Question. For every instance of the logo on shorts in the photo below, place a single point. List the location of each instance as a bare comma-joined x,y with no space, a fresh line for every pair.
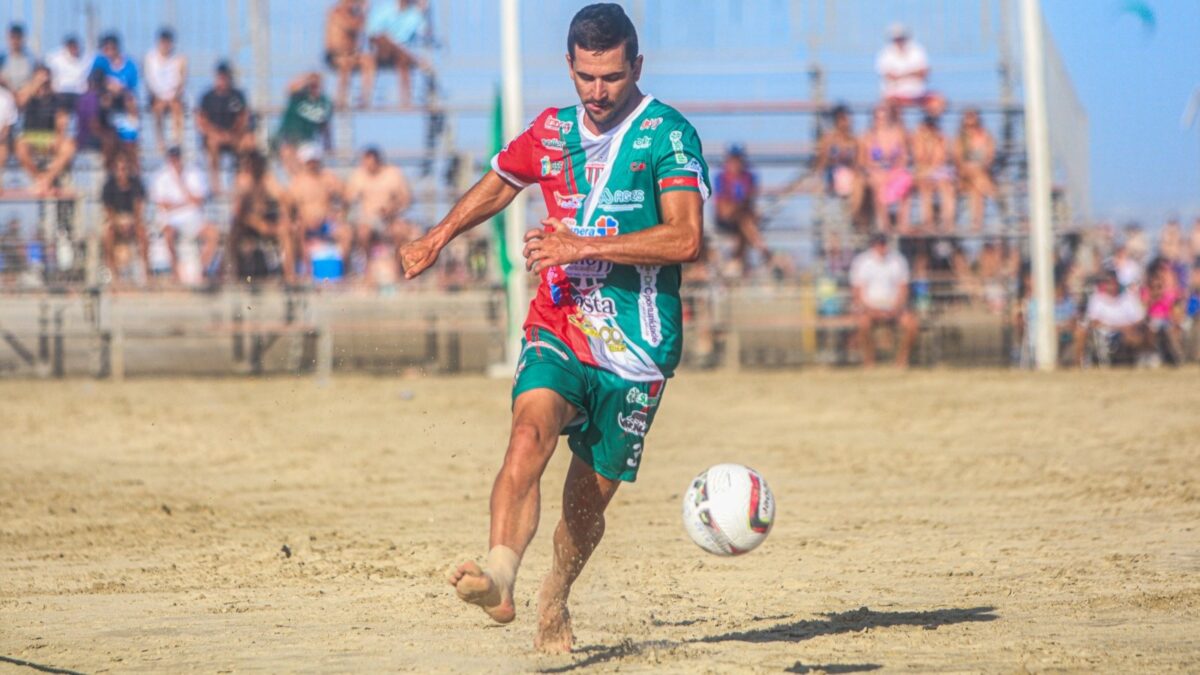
640,398
632,462
636,423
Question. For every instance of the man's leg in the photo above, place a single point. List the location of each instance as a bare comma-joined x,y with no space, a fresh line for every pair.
866,342
539,415
907,326
158,110
177,119
585,496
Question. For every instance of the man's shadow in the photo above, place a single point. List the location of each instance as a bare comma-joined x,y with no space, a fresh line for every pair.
834,623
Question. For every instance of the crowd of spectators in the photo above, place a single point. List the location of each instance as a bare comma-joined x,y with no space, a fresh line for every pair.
298,223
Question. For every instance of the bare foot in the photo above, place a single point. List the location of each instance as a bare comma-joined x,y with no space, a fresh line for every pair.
473,585
554,634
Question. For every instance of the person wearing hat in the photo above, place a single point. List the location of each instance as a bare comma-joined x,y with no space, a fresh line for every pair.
317,195
224,122
879,287
166,74
736,190
903,68
179,193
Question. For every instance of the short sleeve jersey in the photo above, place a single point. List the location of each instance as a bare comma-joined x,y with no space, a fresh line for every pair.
223,110
626,319
305,117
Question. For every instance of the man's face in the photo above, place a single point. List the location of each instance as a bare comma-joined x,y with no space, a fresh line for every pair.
370,163
16,42
842,122
166,46
110,51
604,81
176,162
880,248
73,49
314,85
223,82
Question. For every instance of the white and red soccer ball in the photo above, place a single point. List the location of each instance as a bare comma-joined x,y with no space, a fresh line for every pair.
728,510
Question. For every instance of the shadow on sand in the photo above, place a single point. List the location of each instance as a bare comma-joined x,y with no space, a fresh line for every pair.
834,623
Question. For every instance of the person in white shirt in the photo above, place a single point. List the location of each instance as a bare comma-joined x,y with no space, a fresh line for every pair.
1114,316
69,69
166,74
879,285
903,68
8,121
178,194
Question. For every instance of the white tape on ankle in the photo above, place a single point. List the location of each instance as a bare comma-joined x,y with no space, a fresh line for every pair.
501,565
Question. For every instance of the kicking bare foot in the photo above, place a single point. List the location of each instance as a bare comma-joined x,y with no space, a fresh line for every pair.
475,586
554,634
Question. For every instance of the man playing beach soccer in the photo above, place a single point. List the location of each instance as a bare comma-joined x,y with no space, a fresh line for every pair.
624,182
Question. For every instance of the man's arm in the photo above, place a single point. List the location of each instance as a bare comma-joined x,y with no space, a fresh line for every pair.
485,199
676,240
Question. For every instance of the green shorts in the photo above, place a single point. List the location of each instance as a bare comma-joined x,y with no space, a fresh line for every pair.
615,414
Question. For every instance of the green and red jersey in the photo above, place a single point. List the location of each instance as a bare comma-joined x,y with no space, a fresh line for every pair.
626,319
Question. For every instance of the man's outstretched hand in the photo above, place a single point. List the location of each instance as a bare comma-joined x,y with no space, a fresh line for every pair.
554,245
417,256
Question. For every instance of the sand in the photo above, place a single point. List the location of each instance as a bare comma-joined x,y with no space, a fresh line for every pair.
965,521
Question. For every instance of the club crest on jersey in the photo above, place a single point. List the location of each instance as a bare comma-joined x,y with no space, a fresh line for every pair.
569,202
593,170
641,143
650,124
553,143
555,124
550,168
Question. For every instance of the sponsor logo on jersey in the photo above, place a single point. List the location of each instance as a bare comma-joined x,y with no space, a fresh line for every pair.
648,306
677,145
569,202
641,143
621,200
555,124
650,124
550,168
593,170
604,226
553,143
594,304
636,423
613,339
679,182
637,166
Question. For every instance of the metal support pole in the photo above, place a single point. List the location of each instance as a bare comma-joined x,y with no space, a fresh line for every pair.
514,116
1037,139
37,26
260,40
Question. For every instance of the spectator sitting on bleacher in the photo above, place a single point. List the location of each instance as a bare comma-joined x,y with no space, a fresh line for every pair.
260,217
381,193
9,115
837,160
120,105
933,161
974,153
124,201
16,65
69,70
316,194
903,69
1165,311
736,191
884,155
343,50
1125,264
394,28
1114,318
43,147
224,123
166,76
178,194
879,285
305,120
92,130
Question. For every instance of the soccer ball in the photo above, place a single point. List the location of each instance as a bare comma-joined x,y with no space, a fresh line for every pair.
728,510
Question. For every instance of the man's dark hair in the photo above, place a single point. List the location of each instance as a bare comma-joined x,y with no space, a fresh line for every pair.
601,27
110,39
374,153
166,33
223,68
16,30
